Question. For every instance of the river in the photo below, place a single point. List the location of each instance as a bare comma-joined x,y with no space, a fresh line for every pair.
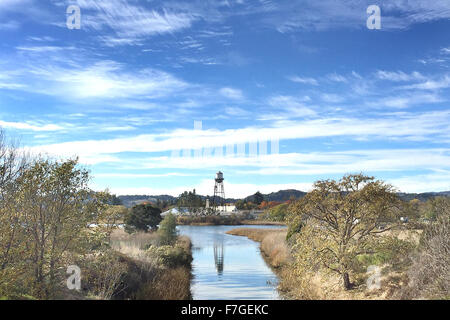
228,267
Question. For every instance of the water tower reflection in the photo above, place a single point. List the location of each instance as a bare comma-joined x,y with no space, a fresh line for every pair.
218,257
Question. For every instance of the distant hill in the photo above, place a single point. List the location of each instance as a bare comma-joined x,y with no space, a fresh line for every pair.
279,196
131,200
422,196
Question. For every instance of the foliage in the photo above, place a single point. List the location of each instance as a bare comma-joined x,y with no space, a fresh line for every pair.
49,215
245,205
113,215
209,220
142,217
436,207
387,250
102,274
169,256
190,200
429,274
277,213
168,230
258,198
342,219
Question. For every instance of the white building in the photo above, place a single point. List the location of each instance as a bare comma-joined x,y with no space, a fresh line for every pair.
228,208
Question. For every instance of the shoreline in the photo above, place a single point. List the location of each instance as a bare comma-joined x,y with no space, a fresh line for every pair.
223,221
273,247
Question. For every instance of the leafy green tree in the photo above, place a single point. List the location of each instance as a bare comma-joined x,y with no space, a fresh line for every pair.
277,213
342,219
115,201
142,217
258,198
55,209
168,230
190,200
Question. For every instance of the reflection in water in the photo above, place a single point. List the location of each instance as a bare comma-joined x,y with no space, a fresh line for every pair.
246,276
218,257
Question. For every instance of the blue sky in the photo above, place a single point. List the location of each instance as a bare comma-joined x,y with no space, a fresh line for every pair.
156,96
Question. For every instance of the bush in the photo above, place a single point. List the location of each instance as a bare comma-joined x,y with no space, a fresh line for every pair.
210,220
169,256
142,217
277,213
429,274
103,275
388,250
168,230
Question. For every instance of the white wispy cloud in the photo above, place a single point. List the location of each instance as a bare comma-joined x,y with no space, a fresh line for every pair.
304,80
336,77
287,107
306,165
130,20
431,126
30,126
443,82
407,100
399,76
290,16
100,79
231,93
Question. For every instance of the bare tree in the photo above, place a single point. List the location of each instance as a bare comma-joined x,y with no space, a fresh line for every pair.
429,274
12,165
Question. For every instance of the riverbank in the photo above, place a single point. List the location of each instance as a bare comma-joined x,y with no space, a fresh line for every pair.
320,285
273,245
152,271
232,220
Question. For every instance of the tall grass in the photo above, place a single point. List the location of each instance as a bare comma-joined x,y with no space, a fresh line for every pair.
273,244
146,278
133,245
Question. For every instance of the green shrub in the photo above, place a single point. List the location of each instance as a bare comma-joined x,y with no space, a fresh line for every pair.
277,213
169,256
210,220
168,230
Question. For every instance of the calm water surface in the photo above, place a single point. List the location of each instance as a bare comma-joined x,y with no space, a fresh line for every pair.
228,267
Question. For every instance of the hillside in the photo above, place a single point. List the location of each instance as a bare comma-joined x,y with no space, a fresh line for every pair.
131,200
279,196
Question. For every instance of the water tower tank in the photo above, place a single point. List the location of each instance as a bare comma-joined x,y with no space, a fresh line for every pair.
219,176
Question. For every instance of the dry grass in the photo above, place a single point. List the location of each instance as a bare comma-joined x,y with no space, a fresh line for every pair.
318,285
273,244
132,245
168,284
145,279
263,223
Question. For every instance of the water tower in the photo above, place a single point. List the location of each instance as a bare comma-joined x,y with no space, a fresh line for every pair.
219,192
